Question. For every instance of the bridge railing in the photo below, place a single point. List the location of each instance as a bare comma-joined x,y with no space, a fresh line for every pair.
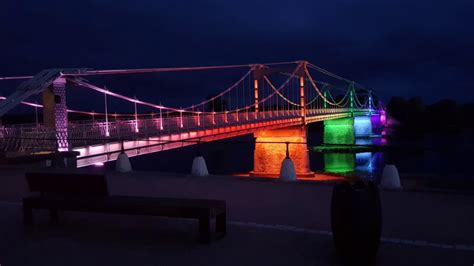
29,139
33,138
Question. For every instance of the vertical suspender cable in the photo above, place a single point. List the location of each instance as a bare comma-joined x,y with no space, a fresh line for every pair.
161,119
36,113
107,133
136,116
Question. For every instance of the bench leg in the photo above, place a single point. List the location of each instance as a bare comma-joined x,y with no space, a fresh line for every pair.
221,224
27,215
54,216
204,229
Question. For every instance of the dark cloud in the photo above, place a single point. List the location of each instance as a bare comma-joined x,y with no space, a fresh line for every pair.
401,47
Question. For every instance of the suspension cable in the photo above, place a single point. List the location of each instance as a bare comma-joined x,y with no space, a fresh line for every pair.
277,92
317,90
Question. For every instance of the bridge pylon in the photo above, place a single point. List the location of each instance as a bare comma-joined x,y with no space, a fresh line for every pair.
258,73
302,100
55,112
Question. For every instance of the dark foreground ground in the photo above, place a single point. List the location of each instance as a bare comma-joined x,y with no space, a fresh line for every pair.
270,223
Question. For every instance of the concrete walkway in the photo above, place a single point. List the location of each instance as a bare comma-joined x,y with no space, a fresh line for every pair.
271,223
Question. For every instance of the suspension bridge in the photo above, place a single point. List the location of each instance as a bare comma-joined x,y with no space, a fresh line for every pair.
272,101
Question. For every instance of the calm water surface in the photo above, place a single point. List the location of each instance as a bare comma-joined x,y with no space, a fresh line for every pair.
440,155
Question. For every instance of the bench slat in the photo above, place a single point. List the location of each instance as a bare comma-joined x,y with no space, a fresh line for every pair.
173,207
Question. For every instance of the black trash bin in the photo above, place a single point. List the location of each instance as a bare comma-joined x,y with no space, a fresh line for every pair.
356,221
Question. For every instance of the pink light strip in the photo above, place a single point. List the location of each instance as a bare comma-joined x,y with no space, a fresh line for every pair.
75,111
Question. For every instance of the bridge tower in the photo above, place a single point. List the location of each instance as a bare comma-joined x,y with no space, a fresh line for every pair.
302,100
55,112
351,99
325,104
257,77
270,146
370,101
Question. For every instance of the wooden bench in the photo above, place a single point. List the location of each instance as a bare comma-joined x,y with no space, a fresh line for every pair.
89,193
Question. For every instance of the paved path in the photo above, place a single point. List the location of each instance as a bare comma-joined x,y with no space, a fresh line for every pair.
272,223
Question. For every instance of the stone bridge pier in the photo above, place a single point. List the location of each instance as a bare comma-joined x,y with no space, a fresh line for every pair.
378,122
344,131
339,131
270,150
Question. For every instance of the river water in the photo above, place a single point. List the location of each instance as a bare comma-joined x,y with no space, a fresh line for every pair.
416,155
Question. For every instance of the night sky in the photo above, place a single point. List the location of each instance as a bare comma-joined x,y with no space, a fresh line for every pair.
397,48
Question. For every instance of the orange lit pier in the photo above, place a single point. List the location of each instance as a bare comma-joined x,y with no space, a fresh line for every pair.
270,150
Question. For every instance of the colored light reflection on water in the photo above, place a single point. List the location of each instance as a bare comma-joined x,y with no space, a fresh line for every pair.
339,162
369,161
365,162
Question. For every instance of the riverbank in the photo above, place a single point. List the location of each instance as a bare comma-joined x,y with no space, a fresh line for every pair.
270,223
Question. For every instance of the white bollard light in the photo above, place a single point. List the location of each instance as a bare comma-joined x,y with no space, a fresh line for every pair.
123,165
390,178
199,167
287,170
